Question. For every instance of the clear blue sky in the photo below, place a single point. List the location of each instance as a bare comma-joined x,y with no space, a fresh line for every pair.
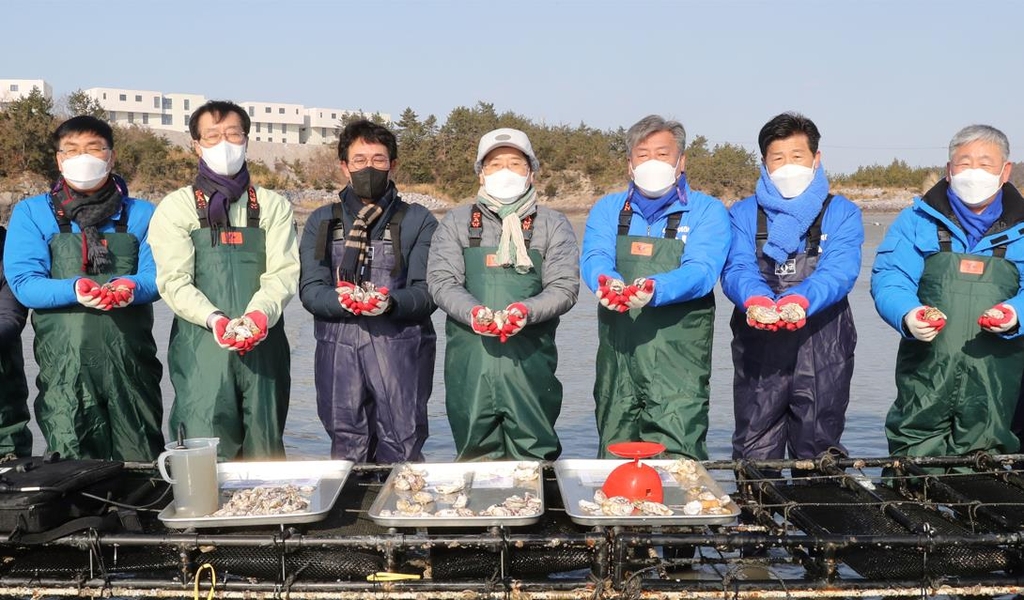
881,78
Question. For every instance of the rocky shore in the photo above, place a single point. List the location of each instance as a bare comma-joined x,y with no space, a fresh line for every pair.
304,201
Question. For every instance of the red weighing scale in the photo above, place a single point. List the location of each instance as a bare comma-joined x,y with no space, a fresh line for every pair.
634,480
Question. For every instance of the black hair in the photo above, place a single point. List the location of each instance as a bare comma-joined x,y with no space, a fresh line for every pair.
218,109
83,124
369,132
785,126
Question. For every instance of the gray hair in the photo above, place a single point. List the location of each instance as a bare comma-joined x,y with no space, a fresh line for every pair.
984,133
652,124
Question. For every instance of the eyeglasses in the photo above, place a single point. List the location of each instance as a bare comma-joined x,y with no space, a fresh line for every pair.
97,151
212,138
379,161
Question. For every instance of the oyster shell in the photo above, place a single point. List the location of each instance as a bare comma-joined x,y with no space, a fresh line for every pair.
762,314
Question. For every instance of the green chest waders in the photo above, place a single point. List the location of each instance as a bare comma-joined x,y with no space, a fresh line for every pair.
15,436
957,394
654,363
99,378
502,399
243,400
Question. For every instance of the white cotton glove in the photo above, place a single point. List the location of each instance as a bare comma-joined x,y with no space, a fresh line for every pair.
88,293
924,322
217,323
998,319
640,293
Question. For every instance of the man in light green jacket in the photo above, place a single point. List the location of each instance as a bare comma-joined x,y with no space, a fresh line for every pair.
227,264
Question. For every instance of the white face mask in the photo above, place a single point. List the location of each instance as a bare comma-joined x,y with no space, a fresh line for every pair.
85,172
506,185
224,158
975,186
654,177
792,180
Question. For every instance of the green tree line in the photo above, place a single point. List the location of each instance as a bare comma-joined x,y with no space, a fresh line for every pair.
574,159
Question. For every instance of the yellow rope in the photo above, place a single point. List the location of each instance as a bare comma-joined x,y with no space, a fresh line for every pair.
213,581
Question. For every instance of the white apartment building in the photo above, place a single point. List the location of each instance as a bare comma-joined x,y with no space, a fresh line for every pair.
146,108
275,122
16,89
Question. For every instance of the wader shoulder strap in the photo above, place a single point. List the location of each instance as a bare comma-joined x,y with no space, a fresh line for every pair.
329,227
626,216
813,232
945,236
476,227
203,209
672,225
394,233
252,210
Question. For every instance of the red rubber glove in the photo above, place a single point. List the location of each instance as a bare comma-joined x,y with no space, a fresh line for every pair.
764,302
792,311
483,322
346,297
610,293
998,319
515,320
639,293
376,303
259,326
88,293
119,293
938,322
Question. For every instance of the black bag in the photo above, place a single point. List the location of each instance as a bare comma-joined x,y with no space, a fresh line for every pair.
38,494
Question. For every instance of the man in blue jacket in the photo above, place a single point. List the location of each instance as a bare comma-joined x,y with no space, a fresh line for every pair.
795,255
948,278
364,267
652,254
78,256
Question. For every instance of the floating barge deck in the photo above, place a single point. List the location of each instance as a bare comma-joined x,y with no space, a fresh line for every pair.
834,527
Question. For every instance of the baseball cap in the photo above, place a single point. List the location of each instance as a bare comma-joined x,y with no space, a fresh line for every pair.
506,136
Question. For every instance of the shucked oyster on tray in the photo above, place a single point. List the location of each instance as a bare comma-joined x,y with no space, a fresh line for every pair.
457,494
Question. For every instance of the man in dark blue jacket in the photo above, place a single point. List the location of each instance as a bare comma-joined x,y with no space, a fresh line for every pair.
15,437
795,255
364,264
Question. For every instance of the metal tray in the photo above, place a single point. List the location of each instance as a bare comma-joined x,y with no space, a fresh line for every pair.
486,483
326,476
579,479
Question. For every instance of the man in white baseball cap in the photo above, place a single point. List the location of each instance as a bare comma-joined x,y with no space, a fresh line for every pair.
504,269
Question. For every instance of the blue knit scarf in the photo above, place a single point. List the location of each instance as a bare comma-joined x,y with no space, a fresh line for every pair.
789,218
975,225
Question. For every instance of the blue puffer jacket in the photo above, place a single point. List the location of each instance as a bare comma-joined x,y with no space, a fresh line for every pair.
842,235
704,228
914,236
27,253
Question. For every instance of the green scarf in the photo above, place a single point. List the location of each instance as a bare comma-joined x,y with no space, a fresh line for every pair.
512,246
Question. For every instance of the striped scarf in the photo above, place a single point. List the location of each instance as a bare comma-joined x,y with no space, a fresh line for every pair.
511,246
358,237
